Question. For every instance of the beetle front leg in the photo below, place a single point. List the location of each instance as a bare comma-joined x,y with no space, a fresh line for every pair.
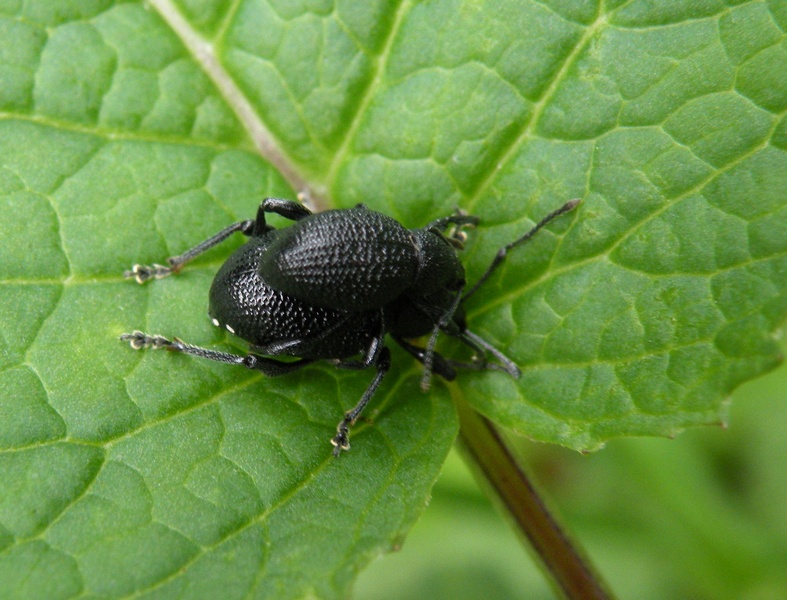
269,366
341,441
143,273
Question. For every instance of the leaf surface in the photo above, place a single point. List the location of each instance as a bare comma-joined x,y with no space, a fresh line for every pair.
130,132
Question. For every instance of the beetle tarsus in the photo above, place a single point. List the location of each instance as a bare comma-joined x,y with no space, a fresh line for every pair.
143,273
141,341
341,441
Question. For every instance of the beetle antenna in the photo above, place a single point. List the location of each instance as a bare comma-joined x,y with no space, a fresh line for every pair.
501,254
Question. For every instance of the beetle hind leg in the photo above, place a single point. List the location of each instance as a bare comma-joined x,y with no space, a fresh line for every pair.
143,273
269,366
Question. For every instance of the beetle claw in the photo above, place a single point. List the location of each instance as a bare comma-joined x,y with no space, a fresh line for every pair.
140,341
143,273
340,441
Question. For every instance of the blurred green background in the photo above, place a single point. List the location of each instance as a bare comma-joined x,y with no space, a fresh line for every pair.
703,516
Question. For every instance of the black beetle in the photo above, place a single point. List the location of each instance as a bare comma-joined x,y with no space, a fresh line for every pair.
332,285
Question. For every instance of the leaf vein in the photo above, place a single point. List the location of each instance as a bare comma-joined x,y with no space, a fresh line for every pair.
367,95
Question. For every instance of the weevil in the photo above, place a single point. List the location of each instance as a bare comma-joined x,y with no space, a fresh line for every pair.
333,286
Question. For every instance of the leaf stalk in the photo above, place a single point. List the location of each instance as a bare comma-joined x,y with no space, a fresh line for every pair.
491,459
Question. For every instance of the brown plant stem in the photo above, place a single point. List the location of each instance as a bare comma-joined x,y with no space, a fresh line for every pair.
568,569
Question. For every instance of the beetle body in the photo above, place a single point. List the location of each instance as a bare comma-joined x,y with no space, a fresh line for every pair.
326,286
333,286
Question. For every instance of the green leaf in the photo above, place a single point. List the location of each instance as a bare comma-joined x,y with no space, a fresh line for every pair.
130,132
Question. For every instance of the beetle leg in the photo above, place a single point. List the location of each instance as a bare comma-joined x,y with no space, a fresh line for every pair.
143,273
294,211
341,440
369,356
440,365
286,208
429,353
269,366
457,235
501,254
446,367
481,346
461,219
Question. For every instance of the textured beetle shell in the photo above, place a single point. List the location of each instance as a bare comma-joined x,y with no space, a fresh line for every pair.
354,259
274,322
